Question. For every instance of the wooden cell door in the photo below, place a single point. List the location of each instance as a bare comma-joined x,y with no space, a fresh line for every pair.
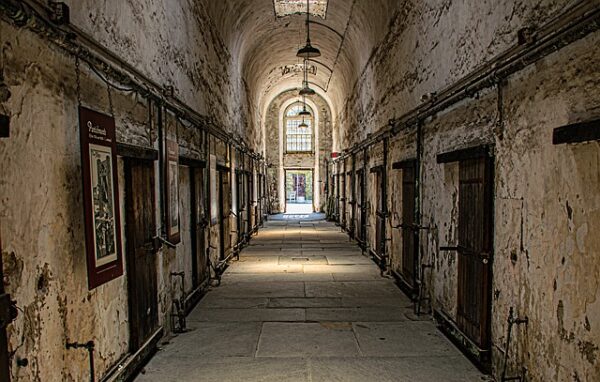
475,249
199,223
343,198
4,321
379,213
361,207
250,202
224,212
352,183
241,206
141,251
409,231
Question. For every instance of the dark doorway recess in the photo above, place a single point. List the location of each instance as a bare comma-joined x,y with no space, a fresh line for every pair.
378,174
224,212
5,318
475,245
361,206
200,269
409,228
141,251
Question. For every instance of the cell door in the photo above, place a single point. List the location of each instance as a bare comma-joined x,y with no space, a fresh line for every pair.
379,213
141,252
352,218
409,232
474,249
241,206
361,206
5,307
199,224
250,202
343,198
224,211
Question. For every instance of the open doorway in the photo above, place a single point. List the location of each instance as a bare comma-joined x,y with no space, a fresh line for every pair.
299,191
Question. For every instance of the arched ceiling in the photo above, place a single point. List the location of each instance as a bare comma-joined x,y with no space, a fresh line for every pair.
262,44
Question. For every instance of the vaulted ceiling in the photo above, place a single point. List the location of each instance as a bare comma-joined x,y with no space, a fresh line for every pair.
263,44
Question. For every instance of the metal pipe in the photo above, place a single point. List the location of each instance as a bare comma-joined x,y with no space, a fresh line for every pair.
89,346
26,14
512,320
572,25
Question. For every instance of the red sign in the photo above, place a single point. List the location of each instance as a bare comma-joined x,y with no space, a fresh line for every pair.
100,197
335,155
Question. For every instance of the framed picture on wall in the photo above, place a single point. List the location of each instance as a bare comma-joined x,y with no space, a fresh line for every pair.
100,197
172,191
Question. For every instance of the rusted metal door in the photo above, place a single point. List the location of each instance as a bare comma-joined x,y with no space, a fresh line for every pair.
474,249
141,251
409,230
199,224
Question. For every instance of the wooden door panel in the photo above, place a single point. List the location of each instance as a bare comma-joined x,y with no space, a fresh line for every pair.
5,306
409,233
199,223
379,215
141,256
474,248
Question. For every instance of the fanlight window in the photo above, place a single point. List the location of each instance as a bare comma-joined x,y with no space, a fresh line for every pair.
298,139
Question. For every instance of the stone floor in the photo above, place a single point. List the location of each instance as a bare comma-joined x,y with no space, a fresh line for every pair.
303,304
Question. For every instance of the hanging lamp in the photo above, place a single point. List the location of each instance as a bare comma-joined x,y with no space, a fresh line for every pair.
308,51
306,90
304,112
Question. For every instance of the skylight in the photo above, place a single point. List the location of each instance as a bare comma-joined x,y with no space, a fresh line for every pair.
293,7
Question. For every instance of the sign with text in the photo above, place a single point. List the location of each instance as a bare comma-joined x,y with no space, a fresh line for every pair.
100,197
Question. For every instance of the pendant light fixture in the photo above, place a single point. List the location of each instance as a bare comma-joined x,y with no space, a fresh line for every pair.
304,112
308,51
306,90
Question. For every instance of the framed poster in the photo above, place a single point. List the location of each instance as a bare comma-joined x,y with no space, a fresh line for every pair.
214,208
172,191
100,197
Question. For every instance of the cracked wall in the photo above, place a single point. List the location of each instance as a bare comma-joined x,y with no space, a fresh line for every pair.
41,190
546,209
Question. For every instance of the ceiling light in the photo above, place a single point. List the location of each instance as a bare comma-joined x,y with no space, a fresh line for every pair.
303,125
308,51
306,91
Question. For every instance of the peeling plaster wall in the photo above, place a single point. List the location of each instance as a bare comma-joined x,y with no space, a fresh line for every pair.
42,216
428,45
41,206
175,43
546,197
547,206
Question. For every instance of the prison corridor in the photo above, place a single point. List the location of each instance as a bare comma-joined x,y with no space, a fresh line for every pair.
304,304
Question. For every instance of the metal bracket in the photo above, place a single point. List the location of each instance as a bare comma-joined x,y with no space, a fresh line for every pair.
164,241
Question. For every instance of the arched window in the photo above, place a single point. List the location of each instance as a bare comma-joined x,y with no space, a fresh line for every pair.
298,139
